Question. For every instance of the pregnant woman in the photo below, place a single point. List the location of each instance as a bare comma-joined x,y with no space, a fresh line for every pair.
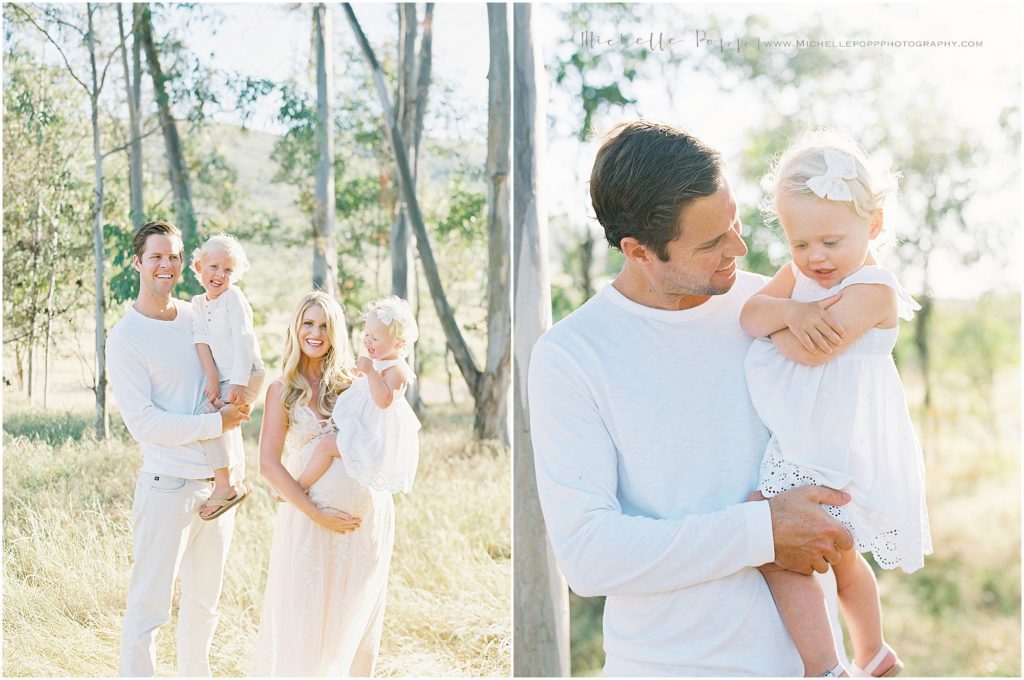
323,609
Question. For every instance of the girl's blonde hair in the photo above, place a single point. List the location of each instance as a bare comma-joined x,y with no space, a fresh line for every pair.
396,315
228,245
337,362
806,159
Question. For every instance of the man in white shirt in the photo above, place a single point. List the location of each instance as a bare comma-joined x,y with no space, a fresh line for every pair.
646,443
157,382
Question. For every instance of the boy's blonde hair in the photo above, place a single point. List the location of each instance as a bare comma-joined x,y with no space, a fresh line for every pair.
806,159
228,245
396,315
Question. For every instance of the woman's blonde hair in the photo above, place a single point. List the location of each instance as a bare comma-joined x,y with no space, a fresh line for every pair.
337,362
806,159
228,245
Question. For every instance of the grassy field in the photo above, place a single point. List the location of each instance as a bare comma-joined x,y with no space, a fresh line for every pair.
960,614
67,546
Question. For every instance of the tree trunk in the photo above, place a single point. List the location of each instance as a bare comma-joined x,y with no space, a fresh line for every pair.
325,250
177,168
402,279
51,291
405,111
541,634
137,209
423,80
491,413
922,328
33,306
97,235
460,350
46,340
586,253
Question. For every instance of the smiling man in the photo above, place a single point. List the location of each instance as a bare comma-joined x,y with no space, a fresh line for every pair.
645,440
157,382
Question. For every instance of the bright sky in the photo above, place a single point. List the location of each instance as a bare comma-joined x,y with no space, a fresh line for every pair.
273,41
974,85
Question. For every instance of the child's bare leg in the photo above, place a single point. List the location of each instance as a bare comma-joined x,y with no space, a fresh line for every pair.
222,488
801,604
858,596
222,485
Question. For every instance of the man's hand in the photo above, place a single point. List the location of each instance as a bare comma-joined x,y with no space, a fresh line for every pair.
232,416
813,326
807,538
235,394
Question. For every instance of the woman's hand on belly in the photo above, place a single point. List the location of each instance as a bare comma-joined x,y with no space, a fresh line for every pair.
337,520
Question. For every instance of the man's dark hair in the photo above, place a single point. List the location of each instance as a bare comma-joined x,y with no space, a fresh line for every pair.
644,176
154,227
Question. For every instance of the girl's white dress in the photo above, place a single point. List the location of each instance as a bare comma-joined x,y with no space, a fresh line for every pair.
380,447
845,424
323,610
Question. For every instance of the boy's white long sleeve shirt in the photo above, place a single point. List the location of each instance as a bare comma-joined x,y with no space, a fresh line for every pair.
157,382
646,445
226,325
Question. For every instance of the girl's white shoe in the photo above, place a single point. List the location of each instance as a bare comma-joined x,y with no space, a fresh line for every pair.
869,670
838,672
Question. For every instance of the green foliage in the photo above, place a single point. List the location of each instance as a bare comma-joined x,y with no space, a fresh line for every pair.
47,202
54,429
586,638
595,77
124,280
463,211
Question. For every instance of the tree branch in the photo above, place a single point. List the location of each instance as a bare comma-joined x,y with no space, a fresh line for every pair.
53,42
460,349
129,142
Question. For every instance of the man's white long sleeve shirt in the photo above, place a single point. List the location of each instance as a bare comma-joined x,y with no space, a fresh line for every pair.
646,445
157,382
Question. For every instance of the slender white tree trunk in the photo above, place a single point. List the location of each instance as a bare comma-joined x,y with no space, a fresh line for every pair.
492,417
325,250
134,125
97,238
541,634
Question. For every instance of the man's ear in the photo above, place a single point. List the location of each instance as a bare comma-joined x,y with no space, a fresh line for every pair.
635,251
136,263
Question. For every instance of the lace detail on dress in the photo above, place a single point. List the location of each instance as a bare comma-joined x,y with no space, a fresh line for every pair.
778,475
303,428
368,476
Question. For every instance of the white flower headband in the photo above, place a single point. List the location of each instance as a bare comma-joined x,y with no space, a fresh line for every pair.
839,167
394,309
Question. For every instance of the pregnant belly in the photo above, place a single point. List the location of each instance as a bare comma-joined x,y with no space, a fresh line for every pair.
339,491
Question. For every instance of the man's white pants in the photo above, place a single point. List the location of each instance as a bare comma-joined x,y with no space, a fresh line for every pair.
169,536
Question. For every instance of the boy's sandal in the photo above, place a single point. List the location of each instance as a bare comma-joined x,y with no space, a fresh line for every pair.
869,670
224,504
838,672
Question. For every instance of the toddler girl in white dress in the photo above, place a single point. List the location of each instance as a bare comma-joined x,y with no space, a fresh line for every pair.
222,331
826,386
378,440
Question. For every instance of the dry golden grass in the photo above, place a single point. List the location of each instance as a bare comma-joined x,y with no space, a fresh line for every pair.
67,546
